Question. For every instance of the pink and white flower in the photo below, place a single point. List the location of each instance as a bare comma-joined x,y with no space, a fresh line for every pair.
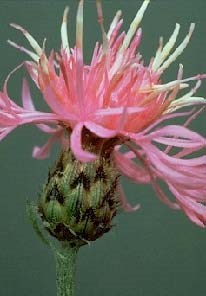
118,96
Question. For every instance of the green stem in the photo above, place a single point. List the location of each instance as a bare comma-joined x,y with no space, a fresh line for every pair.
65,270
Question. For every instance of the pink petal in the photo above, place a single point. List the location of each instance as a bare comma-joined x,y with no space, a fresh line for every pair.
57,106
5,102
167,117
175,142
130,169
124,203
7,119
44,151
190,162
76,144
177,131
38,117
26,96
47,129
8,77
194,218
163,197
153,178
32,70
99,130
5,131
118,110
168,173
194,210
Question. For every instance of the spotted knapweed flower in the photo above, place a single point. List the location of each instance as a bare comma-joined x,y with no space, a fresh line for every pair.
96,109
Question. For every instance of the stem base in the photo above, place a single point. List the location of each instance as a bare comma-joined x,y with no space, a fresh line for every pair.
65,270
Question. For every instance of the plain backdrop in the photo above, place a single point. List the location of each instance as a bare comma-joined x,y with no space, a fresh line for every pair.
152,252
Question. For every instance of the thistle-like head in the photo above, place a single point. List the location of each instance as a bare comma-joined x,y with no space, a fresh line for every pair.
116,100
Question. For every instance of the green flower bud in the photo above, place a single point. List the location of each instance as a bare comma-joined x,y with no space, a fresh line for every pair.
79,200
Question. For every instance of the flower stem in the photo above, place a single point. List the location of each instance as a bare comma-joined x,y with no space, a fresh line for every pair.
65,270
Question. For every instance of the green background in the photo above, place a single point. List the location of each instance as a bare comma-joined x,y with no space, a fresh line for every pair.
152,252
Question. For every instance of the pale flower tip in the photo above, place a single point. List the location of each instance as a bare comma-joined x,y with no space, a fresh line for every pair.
17,27
64,35
139,31
79,24
12,43
192,27
99,11
44,44
31,40
34,56
40,152
80,6
119,13
145,4
180,72
101,21
128,208
201,76
65,14
134,208
177,51
44,64
134,25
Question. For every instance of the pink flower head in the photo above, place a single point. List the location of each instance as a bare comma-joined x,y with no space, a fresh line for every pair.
118,97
